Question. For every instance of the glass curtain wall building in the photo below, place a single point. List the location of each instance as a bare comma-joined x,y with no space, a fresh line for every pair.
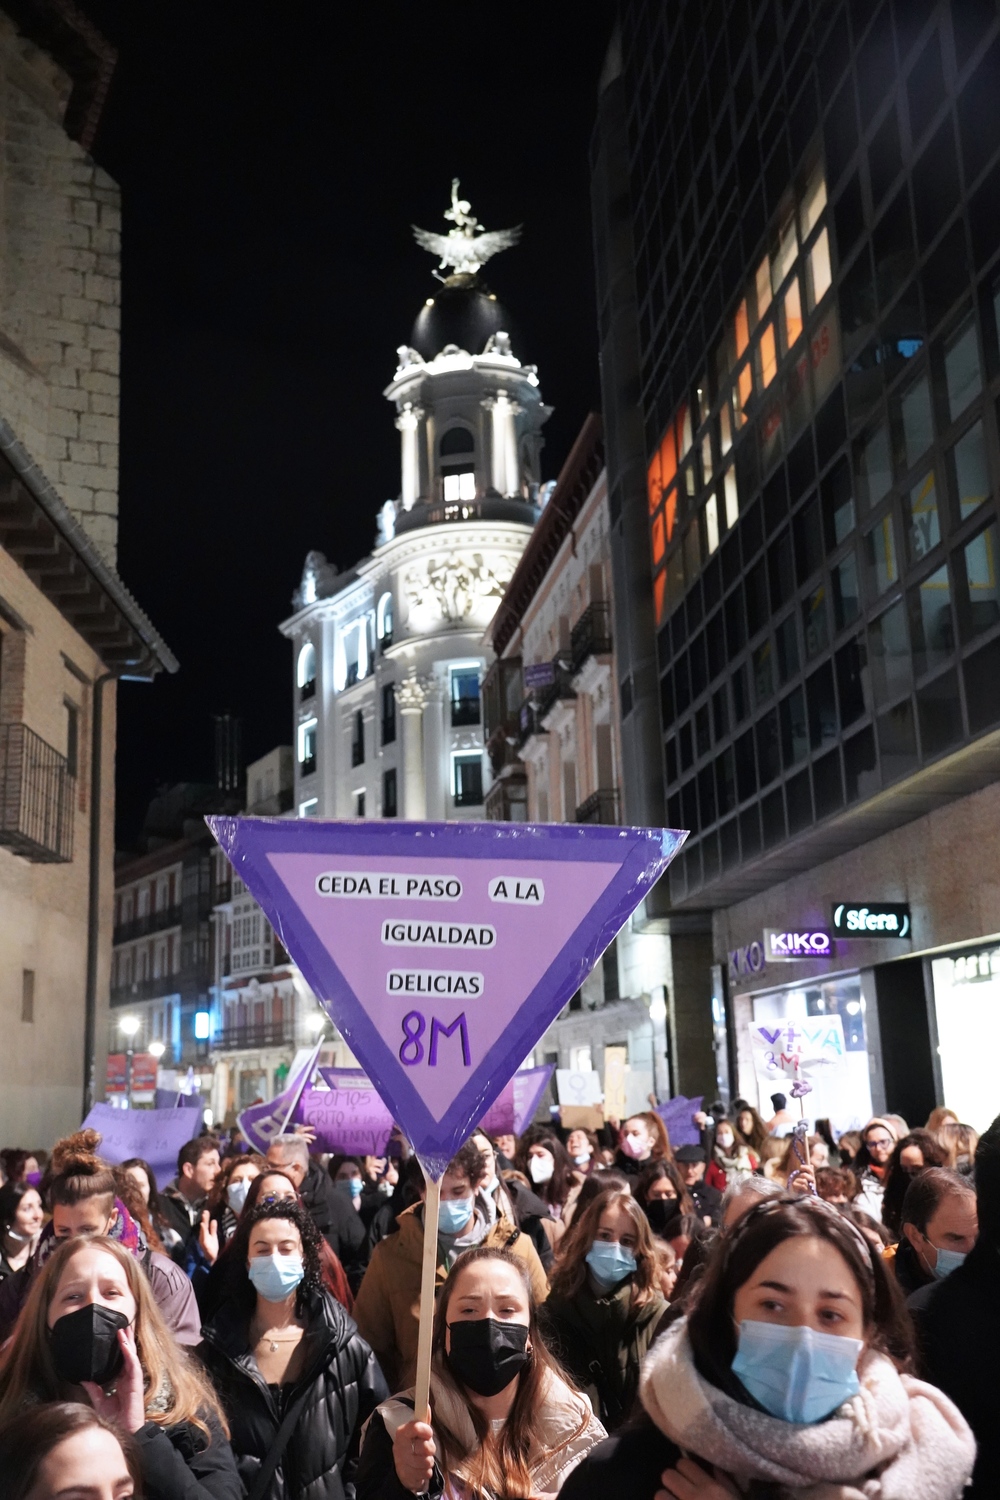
813,206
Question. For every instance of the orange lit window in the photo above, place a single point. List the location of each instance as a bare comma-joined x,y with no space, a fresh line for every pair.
659,541
654,483
659,595
670,511
742,329
793,313
668,458
745,385
768,355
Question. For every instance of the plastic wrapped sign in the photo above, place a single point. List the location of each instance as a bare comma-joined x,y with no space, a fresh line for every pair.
443,951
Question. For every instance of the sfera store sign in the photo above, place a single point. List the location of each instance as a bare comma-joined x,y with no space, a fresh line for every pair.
874,919
781,947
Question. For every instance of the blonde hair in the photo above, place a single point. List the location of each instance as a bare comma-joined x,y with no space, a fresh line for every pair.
175,1388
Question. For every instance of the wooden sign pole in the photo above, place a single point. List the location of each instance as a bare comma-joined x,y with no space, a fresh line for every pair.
428,1276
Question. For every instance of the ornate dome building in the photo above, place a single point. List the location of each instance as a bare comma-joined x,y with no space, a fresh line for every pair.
388,657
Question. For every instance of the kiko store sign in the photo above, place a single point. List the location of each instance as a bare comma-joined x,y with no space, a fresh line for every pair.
855,919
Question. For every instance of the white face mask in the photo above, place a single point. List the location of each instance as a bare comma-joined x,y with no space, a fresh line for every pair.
541,1168
724,1142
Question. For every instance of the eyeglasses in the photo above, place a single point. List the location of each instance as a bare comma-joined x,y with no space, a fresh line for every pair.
879,1140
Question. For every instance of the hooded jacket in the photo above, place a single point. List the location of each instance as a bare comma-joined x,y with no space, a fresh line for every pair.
600,1341
387,1303
342,1384
337,1220
170,1287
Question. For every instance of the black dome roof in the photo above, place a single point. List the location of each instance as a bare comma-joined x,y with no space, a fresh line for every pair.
464,312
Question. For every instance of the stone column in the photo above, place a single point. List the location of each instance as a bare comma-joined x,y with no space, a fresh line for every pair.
505,469
411,696
408,424
435,755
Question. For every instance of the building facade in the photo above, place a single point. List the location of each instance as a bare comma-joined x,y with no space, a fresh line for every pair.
552,729
388,657
803,291
68,626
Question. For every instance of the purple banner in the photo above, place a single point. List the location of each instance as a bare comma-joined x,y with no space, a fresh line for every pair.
676,1116
172,1099
154,1134
260,1123
443,951
516,1105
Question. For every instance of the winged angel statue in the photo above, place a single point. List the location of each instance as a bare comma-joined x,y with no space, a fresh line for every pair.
462,247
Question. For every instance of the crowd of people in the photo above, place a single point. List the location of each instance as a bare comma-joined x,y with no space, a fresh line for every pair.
752,1313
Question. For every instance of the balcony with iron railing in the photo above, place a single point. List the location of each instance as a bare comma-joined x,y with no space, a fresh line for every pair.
560,688
260,1034
591,635
600,807
154,921
37,794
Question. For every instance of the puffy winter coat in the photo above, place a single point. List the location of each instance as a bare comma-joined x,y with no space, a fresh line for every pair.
387,1305
342,1384
601,1342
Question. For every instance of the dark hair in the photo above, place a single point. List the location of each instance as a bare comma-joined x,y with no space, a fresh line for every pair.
10,1200
254,1193
557,1189
927,1191
79,1173
757,1134
337,1161
217,1197
192,1152
500,1468
239,1248
13,1159
663,1171
604,1180
469,1162
780,1101
898,1178
154,1191
28,1440
987,1178
736,1257
836,1182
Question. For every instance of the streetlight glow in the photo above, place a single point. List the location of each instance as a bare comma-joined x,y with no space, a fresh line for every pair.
156,1049
129,1024
316,1022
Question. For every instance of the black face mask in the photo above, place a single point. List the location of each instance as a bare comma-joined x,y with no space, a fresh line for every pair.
486,1355
663,1215
85,1346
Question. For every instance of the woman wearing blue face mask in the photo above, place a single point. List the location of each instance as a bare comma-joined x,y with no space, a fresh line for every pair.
225,1204
295,1378
605,1302
787,1378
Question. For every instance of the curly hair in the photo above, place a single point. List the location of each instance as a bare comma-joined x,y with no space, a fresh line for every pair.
238,1251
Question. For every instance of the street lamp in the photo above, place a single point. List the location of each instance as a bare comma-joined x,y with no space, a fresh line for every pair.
316,1022
156,1049
129,1025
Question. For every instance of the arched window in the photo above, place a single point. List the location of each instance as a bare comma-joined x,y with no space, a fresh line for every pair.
457,440
383,620
305,671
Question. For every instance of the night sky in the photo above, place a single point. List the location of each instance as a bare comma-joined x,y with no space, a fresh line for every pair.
272,158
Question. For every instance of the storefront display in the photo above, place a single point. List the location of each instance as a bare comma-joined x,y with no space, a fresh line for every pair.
967,1005
841,1092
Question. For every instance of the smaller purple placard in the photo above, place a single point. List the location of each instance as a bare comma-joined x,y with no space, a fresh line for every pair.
676,1115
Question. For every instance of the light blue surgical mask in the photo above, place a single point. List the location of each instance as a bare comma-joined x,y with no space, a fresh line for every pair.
454,1214
275,1277
236,1194
610,1263
582,1160
350,1186
796,1373
947,1261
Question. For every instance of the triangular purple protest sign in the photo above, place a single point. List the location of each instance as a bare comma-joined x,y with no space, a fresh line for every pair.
443,951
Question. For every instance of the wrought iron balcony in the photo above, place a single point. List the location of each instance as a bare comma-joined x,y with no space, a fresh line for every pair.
36,797
265,1034
560,687
154,921
591,635
601,807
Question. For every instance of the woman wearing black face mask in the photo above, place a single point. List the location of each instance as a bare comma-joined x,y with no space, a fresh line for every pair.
505,1420
91,1332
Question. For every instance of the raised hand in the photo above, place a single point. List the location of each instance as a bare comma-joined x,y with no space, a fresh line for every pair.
124,1400
208,1237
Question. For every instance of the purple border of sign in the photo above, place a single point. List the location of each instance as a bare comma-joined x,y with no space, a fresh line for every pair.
644,854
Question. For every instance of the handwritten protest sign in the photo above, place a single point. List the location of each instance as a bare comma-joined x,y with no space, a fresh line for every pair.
579,1086
348,1116
796,1049
615,1071
154,1134
443,951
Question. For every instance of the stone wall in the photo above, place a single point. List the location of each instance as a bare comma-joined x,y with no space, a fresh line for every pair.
60,233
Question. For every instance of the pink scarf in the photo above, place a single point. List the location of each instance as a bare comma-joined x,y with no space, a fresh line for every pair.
898,1439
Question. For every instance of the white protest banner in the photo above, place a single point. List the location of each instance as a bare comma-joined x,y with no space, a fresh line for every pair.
579,1087
796,1049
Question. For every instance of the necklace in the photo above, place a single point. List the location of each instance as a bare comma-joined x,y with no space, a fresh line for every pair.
273,1339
